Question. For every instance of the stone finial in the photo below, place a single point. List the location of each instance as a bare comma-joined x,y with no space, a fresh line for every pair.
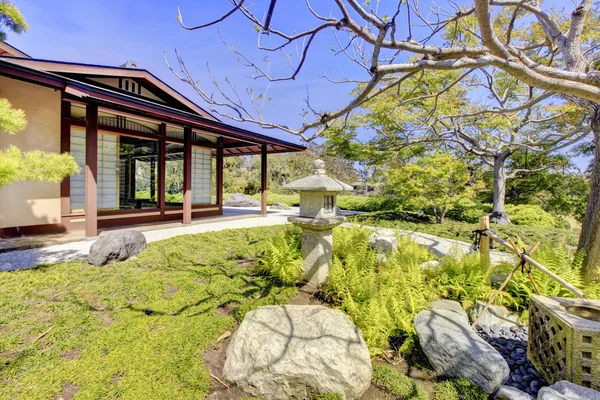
319,167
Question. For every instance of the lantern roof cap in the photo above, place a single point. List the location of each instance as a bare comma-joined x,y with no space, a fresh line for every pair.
318,181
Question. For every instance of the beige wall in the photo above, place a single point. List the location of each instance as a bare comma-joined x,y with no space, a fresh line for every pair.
29,203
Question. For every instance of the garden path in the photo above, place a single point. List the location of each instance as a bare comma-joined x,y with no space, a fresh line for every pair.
444,247
23,259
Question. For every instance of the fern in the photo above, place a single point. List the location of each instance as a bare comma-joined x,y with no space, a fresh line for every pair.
381,299
282,260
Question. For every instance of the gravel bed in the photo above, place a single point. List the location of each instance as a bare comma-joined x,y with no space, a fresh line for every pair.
511,342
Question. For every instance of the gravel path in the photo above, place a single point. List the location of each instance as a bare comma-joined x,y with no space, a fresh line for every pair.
23,259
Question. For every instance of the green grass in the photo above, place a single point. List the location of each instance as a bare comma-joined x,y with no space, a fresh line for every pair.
464,231
397,383
102,344
459,389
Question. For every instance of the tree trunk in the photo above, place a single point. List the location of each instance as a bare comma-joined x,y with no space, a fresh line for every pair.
589,241
498,214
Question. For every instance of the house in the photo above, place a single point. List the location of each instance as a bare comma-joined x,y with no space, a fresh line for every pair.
147,153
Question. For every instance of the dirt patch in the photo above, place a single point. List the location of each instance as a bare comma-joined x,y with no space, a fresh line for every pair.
72,354
69,391
105,319
226,309
214,359
171,290
306,297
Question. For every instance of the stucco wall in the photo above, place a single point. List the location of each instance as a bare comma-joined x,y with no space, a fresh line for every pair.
29,203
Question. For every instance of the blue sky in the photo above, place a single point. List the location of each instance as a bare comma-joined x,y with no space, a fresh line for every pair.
112,31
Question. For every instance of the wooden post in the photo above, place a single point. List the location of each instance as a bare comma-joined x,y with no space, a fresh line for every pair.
91,171
263,180
65,147
162,168
484,244
187,176
219,183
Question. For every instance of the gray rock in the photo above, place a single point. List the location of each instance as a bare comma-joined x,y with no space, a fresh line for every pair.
455,350
547,393
280,206
450,305
384,241
240,200
430,265
500,218
494,315
116,246
293,351
511,393
575,392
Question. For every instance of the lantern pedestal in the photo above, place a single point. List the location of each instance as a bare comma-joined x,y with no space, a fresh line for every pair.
317,246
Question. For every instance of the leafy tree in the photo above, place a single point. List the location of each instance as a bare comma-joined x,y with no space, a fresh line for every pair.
537,43
438,182
11,18
16,165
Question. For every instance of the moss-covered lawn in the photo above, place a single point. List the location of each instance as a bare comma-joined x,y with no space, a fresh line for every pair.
99,340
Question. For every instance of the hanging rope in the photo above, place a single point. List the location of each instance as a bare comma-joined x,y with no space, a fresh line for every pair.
476,236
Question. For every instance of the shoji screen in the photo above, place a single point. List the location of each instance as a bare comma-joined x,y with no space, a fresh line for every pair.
108,154
108,172
78,180
201,173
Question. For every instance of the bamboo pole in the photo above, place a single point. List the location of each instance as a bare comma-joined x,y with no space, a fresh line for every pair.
484,243
539,266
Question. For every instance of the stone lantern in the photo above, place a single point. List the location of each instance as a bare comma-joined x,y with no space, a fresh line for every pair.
319,214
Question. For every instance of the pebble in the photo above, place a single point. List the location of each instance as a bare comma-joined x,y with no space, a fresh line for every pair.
512,344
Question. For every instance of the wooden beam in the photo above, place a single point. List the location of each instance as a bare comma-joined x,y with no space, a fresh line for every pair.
65,147
220,176
162,168
263,180
91,171
187,175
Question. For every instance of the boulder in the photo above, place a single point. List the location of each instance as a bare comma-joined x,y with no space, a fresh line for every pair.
494,315
547,393
280,206
240,200
116,246
384,241
511,393
455,350
500,218
296,351
570,391
450,305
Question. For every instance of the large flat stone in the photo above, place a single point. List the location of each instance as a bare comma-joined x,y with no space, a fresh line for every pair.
575,392
285,352
455,350
450,305
240,200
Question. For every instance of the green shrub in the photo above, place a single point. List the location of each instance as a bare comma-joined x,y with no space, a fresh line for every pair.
292,200
396,215
382,300
459,389
369,203
397,383
464,232
282,260
469,211
532,215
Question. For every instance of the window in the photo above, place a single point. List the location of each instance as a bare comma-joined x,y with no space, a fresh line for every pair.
329,204
127,172
174,175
